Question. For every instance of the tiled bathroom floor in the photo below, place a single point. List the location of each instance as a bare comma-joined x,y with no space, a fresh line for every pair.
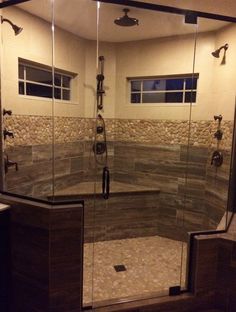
153,264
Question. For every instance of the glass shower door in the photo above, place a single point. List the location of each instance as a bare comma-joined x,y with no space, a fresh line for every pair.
148,91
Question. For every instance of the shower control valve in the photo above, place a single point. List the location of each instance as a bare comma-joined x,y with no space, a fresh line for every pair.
217,159
6,112
218,117
218,134
7,133
9,163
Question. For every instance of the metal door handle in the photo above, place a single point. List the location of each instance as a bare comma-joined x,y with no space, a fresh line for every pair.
106,183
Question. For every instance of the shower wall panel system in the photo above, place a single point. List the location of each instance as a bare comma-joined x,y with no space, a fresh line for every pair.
147,103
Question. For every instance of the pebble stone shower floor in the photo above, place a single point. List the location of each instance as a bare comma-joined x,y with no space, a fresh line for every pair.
152,264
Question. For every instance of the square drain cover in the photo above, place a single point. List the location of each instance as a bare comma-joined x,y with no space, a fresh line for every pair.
120,268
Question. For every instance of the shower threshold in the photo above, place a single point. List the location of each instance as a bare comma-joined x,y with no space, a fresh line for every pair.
152,265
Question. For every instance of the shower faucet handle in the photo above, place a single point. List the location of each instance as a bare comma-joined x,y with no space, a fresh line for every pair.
9,163
217,159
218,117
7,133
218,134
6,112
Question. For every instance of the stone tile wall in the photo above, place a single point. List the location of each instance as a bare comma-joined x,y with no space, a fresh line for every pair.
35,130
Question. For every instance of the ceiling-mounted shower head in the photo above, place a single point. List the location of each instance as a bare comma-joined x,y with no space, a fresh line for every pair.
126,20
16,28
216,53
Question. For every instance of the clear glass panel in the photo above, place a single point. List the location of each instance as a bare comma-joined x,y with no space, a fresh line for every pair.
21,72
38,75
190,97
135,97
75,56
66,82
37,90
140,238
208,186
164,97
174,84
21,88
135,86
57,80
66,95
191,83
31,120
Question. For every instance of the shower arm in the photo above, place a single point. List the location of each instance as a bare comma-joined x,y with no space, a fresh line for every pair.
7,20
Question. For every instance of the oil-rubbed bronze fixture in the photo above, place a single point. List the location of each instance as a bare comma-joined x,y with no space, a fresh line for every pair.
17,30
217,159
217,156
100,80
7,133
218,117
6,112
9,163
218,134
216,53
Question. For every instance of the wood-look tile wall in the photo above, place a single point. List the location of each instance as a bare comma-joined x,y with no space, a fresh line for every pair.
46,258
193,194
186,179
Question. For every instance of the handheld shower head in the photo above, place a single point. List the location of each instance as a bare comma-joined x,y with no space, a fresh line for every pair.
16,28
216,53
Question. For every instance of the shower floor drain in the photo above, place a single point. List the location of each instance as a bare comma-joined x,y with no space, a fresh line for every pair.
120,268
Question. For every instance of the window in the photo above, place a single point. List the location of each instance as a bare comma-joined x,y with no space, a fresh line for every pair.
36,80
169,89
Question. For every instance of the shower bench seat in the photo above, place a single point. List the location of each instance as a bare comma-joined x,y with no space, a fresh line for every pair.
88,189
131,210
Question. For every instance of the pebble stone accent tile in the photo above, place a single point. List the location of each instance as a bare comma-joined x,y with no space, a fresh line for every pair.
153,264
33,130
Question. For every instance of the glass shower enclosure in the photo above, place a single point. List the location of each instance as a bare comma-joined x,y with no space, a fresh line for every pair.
130,109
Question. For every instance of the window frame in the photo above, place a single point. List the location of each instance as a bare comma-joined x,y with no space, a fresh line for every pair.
38,66
162,77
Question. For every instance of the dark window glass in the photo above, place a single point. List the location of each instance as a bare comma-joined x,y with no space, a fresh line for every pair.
57,80
66,95
154,85
21,71
38,75
57,93
135,97
174,97
66,82
190,97
21,88
154,97
191,83
37,90
135,86
174,84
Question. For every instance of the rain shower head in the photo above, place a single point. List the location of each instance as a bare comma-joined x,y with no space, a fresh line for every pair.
126,20
216,53
16,28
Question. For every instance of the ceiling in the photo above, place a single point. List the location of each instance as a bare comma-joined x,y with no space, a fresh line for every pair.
80,18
